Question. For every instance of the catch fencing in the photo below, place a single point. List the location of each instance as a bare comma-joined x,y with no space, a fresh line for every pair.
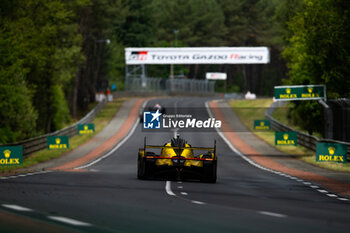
38,143
304,139
170,85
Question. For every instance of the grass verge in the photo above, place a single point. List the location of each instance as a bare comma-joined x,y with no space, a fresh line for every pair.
101,120
250,110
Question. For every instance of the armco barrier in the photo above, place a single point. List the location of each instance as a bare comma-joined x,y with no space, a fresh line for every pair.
304,139
38,143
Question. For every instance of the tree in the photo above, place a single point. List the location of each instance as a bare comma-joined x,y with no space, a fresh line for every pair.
97,24
317,52
318,48
44,48
251,23
191,23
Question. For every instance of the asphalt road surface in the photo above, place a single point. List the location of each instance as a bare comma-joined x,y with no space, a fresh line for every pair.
108,197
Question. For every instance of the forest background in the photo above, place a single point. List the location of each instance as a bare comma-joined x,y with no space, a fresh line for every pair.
56,54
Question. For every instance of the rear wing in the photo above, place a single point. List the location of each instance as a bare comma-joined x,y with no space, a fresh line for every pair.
145,146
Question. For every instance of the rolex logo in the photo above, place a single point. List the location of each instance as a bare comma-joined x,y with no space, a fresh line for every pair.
285,136
58,140
86,127
331,150
310,89
7,153
262,123
288,90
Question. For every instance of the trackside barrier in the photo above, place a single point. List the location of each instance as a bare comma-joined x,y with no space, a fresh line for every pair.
38,143
304,139
156,85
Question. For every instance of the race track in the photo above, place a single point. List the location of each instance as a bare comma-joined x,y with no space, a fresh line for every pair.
107,196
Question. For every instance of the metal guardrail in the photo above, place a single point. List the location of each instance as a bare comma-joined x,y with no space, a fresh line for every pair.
304,139
38,143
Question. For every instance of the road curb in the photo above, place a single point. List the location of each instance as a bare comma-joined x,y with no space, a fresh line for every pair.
107,145
259,158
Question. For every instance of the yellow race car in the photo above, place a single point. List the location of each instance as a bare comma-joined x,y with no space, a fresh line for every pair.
177,160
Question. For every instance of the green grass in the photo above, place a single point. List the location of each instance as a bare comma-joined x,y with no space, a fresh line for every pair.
100,121
250,110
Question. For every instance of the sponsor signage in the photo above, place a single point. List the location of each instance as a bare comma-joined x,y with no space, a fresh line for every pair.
86,129
199,55
157,120
331,152
300,92
216,76
11,155
262,125
286,138
57,142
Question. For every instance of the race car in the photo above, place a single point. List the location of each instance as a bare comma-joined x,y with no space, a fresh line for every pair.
177,160
153,108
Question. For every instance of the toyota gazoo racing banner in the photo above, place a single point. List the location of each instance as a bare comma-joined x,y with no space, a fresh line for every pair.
200,55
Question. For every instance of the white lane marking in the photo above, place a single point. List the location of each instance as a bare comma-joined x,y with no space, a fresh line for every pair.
179,182
117,146
331,195
180,187
17,207
198,202
314,186
69,221
306,183
168,188
272,214
343,199
169,192
322,191
23,175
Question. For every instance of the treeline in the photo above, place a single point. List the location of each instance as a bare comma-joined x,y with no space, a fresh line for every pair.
56,54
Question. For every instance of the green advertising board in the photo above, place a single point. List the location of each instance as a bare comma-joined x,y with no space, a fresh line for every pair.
331,152
301,92
57,142
11,155
262,125
86,129
286,138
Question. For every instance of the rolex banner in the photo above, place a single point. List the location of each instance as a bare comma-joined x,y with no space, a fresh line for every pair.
57,142
300,92
11,155
331,152
86,129
262,125
286,138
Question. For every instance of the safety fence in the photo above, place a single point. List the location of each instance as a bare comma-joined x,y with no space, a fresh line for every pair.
170,85
304,139
38,143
